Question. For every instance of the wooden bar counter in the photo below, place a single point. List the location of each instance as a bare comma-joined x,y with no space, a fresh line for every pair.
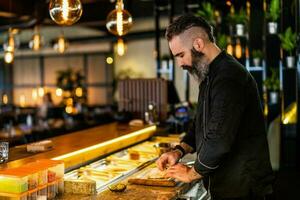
81,146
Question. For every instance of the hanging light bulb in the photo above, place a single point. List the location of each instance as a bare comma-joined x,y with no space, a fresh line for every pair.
120,47
37,41
61,44
238,49
8,56
65,12
10,45
119,21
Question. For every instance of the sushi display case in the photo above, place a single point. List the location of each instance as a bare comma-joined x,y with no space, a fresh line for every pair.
99,175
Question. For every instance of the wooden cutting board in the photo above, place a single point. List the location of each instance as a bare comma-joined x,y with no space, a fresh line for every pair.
152,176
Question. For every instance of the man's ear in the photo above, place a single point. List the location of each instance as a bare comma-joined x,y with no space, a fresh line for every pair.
198,44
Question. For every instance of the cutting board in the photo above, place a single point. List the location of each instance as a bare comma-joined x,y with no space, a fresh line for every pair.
152,176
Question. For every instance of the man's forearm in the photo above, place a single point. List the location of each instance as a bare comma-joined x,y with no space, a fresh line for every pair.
187,148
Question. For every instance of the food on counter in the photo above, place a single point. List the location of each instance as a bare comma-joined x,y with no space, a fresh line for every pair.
134,155
152,176
31,179
13,181
155,173
119,187
40,146
80,186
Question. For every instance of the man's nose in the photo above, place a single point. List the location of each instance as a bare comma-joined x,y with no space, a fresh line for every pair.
180,62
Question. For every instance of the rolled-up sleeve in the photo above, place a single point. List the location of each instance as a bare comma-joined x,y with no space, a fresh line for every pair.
223,119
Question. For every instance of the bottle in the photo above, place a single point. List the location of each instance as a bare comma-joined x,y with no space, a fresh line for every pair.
29,120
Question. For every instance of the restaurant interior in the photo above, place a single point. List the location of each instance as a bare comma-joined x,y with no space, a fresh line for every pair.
73,66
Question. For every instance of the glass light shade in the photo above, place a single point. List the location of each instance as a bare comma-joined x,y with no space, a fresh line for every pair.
119,21
11,42
61,44
65,12
8,56
36,41
5,99
120,47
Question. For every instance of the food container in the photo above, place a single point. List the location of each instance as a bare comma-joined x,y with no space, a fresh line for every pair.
42,192
41,170
32,194
56,170
52,190
11,196
32,177
162,147
13,181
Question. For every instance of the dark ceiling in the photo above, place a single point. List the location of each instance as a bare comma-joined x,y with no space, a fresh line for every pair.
27,13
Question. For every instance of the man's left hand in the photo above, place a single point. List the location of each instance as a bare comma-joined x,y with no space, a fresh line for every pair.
182,173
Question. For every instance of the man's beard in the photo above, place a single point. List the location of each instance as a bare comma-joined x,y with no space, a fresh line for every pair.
199,68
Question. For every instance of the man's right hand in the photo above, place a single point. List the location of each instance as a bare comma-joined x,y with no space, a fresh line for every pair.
168,159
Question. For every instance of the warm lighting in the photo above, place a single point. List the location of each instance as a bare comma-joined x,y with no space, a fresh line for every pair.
228,3
65,12
119,21
120,47
58,92
41,92
109,60
61,45
229,49
8,56
69,109
22,100
79,92
5,99
10,45
69,102
67,94
36,42
34,94
238,49
146,132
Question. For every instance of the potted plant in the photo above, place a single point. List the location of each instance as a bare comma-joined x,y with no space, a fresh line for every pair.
207,12
288,43
272,84
257,55
222,40
273,15
239,19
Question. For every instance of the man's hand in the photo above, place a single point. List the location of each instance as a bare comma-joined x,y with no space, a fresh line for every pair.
183,173
168,159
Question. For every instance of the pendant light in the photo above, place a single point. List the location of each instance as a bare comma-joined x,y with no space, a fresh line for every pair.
10,45
120,47
119,21
61,44
65,12
37,41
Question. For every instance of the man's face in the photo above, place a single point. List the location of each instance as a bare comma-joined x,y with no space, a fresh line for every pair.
189,59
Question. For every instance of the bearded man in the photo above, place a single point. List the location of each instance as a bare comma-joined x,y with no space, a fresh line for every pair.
228,132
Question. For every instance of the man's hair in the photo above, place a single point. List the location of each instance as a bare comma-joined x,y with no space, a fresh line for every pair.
186,22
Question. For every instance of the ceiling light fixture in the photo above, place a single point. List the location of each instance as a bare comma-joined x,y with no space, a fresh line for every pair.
119,21
37,41
10,45
120,47
61,44
65,12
